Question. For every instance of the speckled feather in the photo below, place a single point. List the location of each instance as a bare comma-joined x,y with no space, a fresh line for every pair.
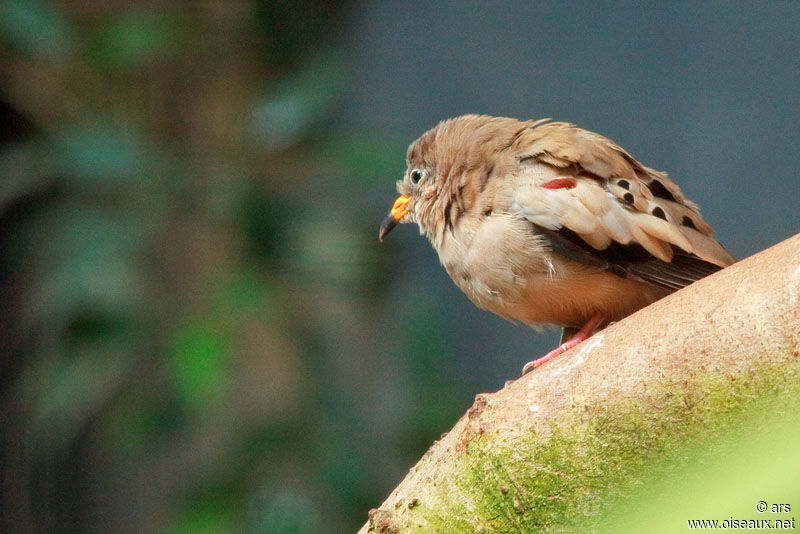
544,222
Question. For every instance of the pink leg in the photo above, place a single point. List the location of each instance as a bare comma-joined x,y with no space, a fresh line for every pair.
582,335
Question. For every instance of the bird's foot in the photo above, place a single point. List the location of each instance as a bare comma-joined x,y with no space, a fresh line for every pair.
582,335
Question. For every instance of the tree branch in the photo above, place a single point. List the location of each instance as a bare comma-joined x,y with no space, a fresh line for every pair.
557,445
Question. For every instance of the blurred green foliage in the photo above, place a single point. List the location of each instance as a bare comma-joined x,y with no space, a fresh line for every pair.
190,271
132,38
37,28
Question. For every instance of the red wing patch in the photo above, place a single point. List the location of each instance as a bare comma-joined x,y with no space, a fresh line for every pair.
560,183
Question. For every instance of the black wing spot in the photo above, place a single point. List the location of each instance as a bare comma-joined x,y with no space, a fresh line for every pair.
625,184
658,190
687,221
658,212
628,197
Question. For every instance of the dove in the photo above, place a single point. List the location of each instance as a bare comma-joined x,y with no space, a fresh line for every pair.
545,223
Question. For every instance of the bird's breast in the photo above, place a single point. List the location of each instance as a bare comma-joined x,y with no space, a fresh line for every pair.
493,259
506,268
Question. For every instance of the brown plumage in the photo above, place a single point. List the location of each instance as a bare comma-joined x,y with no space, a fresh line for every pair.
543,222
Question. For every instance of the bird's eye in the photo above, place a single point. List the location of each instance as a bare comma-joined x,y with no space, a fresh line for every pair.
416,175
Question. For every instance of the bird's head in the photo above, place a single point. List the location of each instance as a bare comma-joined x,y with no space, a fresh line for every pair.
438,166
419,188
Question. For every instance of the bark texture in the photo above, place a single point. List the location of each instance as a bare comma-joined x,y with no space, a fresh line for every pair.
554,447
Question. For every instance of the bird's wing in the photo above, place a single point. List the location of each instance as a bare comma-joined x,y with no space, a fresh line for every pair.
597,196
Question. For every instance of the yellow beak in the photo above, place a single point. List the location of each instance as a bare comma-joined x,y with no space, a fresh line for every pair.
398,212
